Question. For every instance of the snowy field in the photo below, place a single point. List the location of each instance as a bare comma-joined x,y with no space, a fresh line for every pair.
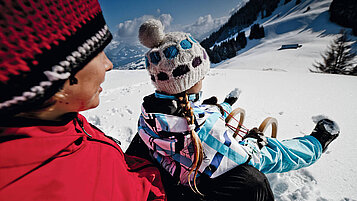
290,24
292,98
273,83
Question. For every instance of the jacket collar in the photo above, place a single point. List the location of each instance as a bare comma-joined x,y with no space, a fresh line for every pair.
26,122
191,97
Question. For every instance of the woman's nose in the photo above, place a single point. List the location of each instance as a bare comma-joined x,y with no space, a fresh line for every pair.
107,63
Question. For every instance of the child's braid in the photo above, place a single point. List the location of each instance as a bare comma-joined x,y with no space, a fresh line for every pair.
198,156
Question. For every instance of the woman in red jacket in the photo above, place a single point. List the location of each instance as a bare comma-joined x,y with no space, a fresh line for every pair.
51,66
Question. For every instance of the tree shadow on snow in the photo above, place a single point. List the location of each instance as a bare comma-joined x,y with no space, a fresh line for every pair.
323,25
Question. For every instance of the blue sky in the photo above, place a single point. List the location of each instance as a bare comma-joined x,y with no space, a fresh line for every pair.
182,12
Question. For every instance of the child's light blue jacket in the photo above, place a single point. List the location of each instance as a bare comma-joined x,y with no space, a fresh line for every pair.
174,150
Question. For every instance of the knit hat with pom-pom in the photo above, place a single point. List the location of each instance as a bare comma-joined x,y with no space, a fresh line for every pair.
175,61
42,44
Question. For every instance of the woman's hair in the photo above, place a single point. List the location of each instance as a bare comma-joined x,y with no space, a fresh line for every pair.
32,112
197,145
35,110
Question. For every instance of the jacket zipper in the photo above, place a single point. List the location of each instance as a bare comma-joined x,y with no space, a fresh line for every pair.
81,125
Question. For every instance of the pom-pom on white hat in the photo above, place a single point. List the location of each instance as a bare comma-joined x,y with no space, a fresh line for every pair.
151,33
175,61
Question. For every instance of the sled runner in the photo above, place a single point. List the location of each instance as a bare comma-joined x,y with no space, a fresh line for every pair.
269,121
232,115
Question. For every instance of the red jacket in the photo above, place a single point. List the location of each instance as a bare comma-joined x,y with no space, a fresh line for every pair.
74,161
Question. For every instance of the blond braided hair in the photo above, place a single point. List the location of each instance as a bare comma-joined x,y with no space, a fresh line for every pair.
198,155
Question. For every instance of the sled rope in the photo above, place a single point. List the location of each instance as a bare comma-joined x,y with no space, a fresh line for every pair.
240,128
236,130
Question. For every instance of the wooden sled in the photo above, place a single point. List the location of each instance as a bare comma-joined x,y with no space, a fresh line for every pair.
269,121
265,124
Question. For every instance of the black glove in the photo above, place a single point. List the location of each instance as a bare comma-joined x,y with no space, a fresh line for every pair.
256,134
231,100
210,101
325,132
232,97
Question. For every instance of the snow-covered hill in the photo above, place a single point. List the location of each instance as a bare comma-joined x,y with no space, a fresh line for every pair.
292,98
125,55
306,24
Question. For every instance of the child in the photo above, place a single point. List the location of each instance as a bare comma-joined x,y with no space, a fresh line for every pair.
190,140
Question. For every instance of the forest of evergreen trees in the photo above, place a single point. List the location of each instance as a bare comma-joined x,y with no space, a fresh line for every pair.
344,13
227,49
241,19
256,32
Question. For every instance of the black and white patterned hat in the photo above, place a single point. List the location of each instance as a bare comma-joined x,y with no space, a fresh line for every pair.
176,61
42,44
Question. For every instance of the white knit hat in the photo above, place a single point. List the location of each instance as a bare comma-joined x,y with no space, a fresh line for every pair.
176,61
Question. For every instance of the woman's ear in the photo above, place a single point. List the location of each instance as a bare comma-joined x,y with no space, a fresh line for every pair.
51,106
47,107
60,97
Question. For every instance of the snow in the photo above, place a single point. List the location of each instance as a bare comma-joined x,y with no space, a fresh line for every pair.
292,98
273,83
289,24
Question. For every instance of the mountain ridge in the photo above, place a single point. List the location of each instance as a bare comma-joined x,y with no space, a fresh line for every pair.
280,24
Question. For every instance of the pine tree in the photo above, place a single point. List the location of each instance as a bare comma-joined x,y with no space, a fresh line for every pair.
231,48
241,40
354,71
213,55
256,32
354,29
222,51
338,57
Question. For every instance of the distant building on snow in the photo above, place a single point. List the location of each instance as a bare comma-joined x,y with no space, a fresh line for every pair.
290,46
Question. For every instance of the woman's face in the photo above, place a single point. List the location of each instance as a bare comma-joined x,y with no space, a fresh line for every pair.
85,94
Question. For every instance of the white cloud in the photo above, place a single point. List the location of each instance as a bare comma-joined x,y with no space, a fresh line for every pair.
204,26
240,5
128,30
165,19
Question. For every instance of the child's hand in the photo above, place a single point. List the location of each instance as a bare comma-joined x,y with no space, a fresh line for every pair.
256,134
233,96
210,101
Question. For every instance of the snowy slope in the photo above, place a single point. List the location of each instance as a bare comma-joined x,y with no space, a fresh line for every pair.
292,98
273,83
289,24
